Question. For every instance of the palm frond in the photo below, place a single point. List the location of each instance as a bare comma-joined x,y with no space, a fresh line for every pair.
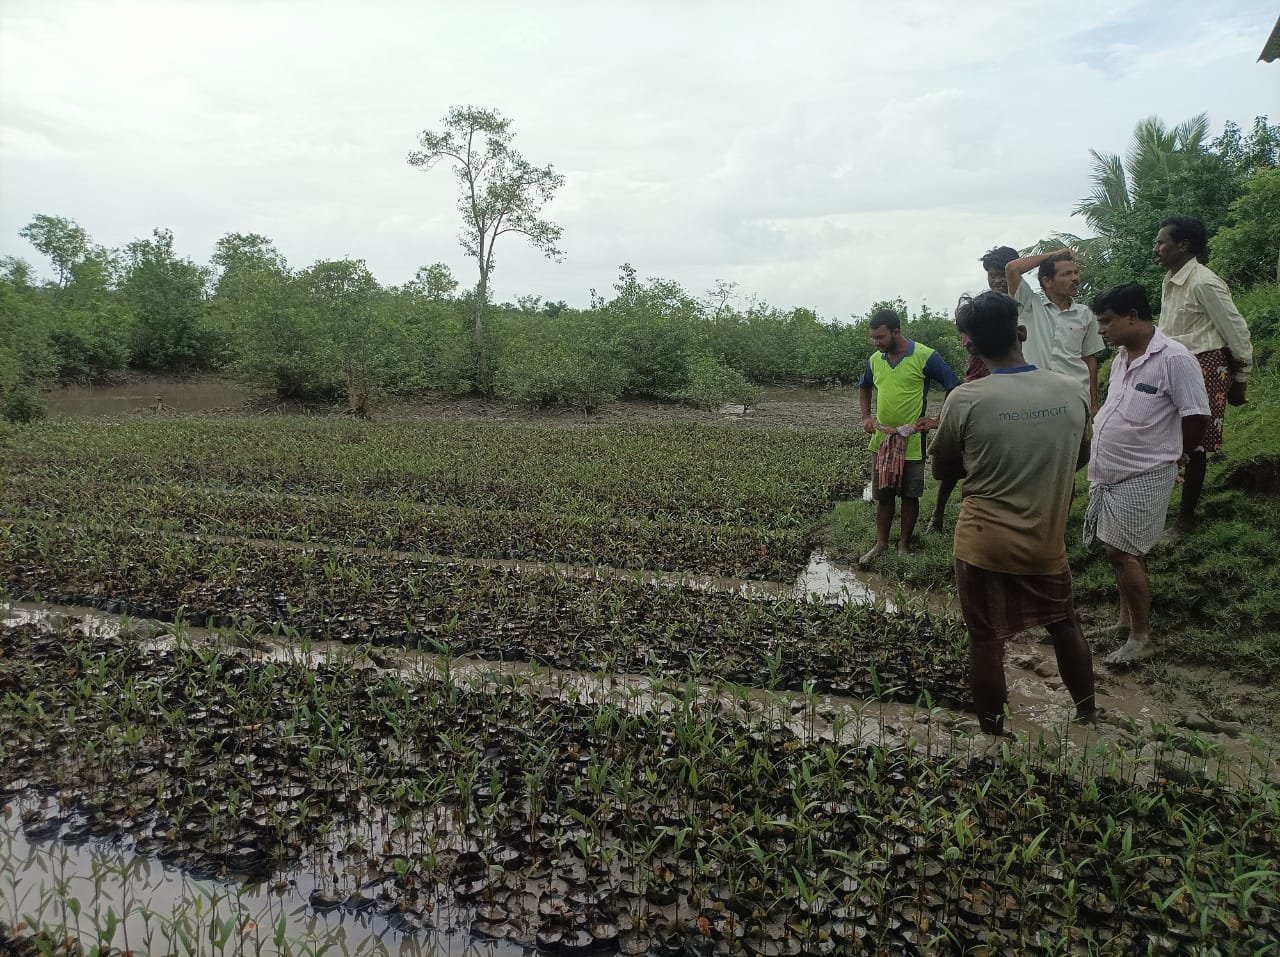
1149,150
1189,135
1110,192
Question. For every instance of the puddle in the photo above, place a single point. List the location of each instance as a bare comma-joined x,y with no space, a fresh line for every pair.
161,910
93,401
827,579
810,395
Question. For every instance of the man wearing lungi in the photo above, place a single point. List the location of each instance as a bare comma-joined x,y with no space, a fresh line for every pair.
1196,310
899,372
993,263
1017,438
1155,415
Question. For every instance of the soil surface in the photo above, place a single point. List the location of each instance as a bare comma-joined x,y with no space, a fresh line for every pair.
810,408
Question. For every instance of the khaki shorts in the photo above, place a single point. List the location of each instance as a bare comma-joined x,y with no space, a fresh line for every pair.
911,486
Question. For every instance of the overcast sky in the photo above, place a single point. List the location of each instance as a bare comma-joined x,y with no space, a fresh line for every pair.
824,154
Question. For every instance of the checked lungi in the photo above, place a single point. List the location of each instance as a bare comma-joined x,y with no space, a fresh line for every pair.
997,605
1130,514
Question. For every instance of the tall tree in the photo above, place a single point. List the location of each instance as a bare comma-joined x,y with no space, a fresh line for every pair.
249,305
501,192
343,294
166,296
237,253
1166,171
63,240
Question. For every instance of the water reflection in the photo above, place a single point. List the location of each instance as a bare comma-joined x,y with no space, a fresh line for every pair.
827,579
105,894
195,395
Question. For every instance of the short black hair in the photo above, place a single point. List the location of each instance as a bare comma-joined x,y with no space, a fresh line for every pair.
886,317
1189,230
990,320
998,257
1123,299
1049,268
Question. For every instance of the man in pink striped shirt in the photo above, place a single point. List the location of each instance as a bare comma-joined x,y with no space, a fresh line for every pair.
1155,415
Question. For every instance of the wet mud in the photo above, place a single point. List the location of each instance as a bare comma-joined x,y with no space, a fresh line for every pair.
798,407
562,811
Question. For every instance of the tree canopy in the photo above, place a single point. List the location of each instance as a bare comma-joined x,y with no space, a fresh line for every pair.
500,192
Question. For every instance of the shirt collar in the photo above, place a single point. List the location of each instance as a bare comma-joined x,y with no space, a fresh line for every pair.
1183,274
1014,370
1158,343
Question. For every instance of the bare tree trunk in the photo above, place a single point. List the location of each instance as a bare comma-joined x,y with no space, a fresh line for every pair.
483,377
358,391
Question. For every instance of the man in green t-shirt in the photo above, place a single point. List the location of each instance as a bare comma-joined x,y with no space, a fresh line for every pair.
898,373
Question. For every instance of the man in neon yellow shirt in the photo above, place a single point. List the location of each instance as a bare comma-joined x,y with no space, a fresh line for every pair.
899,373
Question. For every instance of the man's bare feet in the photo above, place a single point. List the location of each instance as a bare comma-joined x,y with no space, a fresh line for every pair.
904,549
1137,648
871,554
934,527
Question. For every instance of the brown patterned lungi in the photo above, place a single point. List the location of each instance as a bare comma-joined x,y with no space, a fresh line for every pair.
1215,366
997,605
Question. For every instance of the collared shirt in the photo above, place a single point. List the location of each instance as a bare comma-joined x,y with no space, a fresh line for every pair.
1196,310
1140,425
902,390
1058,339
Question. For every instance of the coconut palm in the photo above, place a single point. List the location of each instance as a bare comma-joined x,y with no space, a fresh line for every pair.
1155,151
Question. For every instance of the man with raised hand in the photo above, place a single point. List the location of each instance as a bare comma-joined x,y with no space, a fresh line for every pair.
993,263
1196,310
899,373
1061,333
1155,415
1017,438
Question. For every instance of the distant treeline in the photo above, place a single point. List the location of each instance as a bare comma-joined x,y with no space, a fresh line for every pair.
331,331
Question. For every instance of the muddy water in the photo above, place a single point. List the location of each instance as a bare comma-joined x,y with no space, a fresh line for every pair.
810,395
149,395
39,881
1137,728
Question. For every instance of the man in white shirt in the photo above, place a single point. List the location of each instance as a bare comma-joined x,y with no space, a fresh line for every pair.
1062,334
1196,310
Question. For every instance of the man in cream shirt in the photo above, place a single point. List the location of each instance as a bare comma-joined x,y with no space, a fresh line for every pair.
1062,334
1196,310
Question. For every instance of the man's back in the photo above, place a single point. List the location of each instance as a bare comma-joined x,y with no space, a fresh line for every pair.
1019,433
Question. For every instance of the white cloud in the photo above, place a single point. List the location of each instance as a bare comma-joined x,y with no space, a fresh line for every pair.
822,153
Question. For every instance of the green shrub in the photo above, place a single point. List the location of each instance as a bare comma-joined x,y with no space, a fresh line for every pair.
1261,308
711,383
556,360
23,404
